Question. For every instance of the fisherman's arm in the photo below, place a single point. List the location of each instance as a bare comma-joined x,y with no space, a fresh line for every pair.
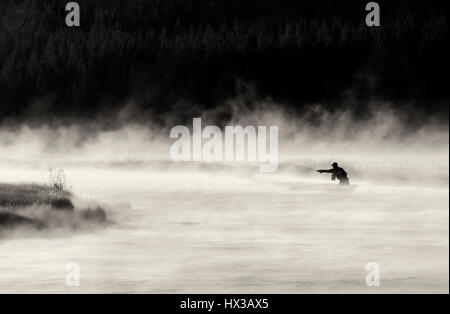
325,171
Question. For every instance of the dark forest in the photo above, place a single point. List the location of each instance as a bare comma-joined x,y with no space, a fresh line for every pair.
199,53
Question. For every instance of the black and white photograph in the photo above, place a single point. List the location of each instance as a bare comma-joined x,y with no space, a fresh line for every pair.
206,148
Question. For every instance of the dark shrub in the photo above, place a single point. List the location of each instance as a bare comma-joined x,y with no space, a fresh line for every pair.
97,215
62,204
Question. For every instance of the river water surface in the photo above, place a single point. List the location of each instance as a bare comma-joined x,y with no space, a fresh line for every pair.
211,230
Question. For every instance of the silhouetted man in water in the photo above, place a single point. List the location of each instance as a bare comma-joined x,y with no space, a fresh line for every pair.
337,173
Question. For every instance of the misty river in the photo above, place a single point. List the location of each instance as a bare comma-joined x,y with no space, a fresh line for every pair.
209,229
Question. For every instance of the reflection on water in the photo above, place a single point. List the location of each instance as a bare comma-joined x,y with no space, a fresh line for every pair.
207,231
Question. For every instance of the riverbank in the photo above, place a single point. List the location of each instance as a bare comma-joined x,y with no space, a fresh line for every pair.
43,207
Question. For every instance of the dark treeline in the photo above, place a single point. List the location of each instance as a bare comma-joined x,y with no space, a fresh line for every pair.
163,53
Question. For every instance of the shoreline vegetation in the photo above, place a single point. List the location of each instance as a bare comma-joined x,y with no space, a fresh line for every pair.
43,207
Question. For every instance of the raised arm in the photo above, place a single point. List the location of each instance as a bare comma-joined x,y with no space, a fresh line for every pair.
325,171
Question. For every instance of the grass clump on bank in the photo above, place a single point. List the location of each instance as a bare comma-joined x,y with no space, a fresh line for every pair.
24,195
43,207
